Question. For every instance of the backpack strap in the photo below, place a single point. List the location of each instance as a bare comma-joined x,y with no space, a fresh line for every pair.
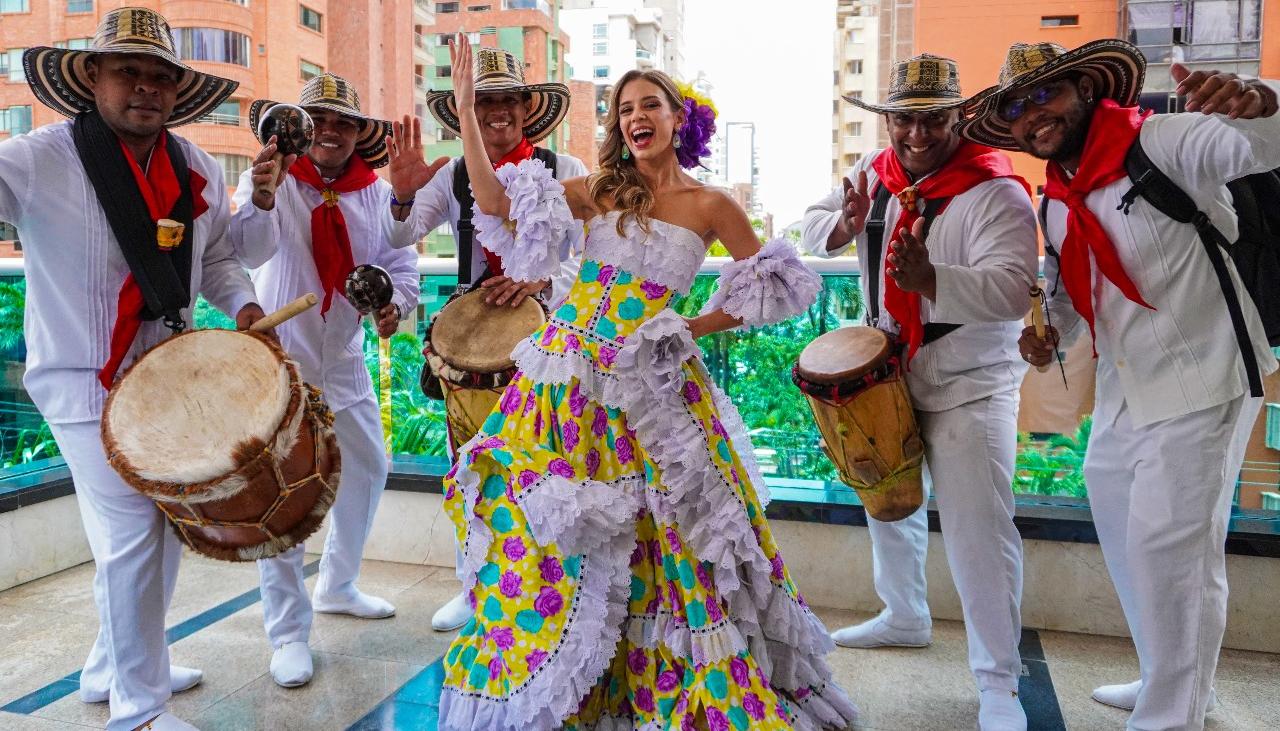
1165,196
463,227
875,228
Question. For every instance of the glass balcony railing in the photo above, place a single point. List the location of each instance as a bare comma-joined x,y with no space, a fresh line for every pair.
754,368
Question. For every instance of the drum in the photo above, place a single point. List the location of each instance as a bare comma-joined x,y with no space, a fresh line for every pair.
219,430
853,380
468,351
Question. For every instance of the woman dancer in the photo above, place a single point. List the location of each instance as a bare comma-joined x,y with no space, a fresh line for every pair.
611,515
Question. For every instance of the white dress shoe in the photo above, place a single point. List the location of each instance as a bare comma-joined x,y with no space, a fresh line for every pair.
180,679
878,632
291,665
452,615
358,604
167,722
1125,696
1000,710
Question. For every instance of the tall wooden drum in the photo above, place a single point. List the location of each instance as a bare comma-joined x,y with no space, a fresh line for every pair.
853,380
468,351
219,430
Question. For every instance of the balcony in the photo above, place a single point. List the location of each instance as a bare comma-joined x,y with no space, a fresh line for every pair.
387,674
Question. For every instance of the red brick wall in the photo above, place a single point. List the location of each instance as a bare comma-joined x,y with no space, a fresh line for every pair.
582,122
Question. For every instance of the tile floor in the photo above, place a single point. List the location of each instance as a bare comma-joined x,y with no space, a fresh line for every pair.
382,674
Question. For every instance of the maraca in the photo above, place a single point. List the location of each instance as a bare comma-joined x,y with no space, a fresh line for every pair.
294,132
368,288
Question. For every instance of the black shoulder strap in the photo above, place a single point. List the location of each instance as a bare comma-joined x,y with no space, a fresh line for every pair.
463,228
875,244
1166,197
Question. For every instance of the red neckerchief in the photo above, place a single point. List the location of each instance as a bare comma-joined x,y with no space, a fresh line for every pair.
970,165
160,189
330,242
518,154
1111,133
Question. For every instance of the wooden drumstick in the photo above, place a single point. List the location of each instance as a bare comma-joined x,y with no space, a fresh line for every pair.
294,308
269,187
1037,319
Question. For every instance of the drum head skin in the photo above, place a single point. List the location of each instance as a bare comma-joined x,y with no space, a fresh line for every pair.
185,410
844,355
472,335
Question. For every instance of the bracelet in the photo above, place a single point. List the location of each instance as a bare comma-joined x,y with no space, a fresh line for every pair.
395,202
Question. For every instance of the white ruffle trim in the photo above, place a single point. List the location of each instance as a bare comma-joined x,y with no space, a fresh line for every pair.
531,238
669,255
769,287
602,534
579,517
785,638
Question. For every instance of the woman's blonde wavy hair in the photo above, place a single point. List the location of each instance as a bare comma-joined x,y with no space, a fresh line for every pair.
616,184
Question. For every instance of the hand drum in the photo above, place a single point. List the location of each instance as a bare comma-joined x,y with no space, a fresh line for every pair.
368,288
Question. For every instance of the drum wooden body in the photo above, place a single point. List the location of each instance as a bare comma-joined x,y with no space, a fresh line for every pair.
218,428
468,350
860,402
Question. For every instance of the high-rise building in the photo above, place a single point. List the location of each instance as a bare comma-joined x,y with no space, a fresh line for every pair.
270,46
1203,34
611,37
854,130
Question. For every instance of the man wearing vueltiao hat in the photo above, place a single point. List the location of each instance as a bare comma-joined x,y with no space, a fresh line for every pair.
329,214
947,248
1176,363
514,115
86,195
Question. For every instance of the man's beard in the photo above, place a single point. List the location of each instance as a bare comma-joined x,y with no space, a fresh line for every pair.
1077,121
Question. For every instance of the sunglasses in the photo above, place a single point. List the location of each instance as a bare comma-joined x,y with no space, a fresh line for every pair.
1013,107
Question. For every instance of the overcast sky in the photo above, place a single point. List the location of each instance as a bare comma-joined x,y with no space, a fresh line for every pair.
771,63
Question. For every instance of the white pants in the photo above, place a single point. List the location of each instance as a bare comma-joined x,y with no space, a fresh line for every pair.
136,559
286,608
1161,500
969,459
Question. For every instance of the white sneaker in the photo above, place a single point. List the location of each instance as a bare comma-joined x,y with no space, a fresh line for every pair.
1000,710
167,722
358,604
180,679
878,632
1125,696
452,615
291,665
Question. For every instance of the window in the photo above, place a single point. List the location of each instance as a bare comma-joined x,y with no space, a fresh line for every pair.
79,6
855,95
11,64
853,129
8,232
14,6
227,113
855,37
1196,30
446,7
232,167
212,44
310,19
600,72
75,44
600,49
444,72
308,71
600,30
446,135
835,106
16,120
1058,21
478,8
854,66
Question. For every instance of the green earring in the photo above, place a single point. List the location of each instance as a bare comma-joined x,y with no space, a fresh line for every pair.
626,153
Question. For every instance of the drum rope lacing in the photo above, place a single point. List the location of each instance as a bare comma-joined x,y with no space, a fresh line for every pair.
322,418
